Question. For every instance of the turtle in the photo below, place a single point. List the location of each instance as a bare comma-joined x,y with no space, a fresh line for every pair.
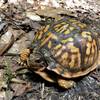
63,51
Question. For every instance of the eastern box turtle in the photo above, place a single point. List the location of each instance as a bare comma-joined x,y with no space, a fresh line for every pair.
67,48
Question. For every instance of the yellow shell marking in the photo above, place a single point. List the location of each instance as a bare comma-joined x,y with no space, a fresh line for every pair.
49,44
86,60
59,29
67,31
82,25
73,20
87,35
94,45
36,35
64,28
88,48
63,23
66,40
94,42
72,62
72,48
75,58
57,46
58,52
91,58
44,41
40,34
89,38
92,51
54,37
87,51
46,28
93,48
57,26
71,28
64,58
43,30
84,33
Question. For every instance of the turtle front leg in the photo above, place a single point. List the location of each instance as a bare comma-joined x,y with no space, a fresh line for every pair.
66,83
24,54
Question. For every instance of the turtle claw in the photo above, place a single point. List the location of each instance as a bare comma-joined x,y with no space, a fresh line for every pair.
19,61
22,63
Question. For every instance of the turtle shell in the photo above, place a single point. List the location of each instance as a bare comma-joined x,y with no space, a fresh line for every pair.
72,45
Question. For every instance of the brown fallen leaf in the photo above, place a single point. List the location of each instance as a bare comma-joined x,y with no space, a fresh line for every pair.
6,41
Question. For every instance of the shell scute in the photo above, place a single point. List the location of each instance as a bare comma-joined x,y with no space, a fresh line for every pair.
72,45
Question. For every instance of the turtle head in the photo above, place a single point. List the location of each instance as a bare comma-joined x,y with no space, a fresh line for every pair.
32,59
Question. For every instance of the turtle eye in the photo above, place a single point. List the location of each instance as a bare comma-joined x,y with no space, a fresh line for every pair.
37,57
38,60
